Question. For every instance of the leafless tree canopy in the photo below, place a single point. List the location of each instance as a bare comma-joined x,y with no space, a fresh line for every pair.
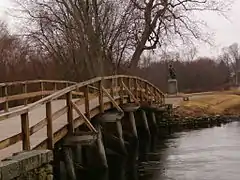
97,37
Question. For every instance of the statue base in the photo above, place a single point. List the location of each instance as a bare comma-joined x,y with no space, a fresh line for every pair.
172,87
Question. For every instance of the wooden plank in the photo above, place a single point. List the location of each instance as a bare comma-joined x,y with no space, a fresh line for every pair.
49,125
88,123
25,131
77,93
70,113
86,95
10,141
112,100
101,96
25,96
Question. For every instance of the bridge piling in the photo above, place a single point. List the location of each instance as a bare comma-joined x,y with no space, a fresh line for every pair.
112,131
145,122
130,109
68,161
101,149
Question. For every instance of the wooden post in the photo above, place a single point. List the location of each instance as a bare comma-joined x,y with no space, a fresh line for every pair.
42,88
50,144
25,131
25,91
121,90
70,113
5,94
111,90
55,86
146,92
86,95
141,93
136,88
130,88
153,94
100,96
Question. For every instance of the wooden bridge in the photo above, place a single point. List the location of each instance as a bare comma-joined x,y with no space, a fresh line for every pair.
37,114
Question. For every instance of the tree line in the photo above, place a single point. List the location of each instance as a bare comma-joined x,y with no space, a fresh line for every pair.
77,40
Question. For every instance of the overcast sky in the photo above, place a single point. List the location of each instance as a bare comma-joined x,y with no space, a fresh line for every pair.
226,31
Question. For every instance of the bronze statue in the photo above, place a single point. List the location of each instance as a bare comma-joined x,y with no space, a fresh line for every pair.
171,71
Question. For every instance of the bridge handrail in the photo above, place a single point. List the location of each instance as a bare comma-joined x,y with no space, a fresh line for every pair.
23,112
66,90
13,92
33,81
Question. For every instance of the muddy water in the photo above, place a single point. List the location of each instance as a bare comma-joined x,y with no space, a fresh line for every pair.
203,154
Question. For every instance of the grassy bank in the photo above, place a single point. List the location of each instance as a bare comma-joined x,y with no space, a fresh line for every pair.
221,103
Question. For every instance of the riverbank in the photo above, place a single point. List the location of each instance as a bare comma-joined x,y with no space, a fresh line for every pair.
216,104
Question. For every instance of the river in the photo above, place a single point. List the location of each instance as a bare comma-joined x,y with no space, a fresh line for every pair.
201,154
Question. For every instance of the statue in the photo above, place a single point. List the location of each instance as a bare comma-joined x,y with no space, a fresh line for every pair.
172,73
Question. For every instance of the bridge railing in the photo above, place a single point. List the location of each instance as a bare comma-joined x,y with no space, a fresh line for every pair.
82,102
24,92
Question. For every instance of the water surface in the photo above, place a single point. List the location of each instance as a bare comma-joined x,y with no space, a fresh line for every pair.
203,154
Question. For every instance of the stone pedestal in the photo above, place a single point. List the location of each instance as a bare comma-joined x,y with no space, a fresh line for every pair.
172,86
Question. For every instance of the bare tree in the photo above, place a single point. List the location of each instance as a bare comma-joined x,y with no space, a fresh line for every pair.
95,37
231,56
161,21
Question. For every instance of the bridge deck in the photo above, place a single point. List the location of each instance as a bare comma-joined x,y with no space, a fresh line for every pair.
12,126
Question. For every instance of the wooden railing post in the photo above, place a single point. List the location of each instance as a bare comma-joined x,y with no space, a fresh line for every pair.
156,97
42,88
141,93
25,131
152,94
100,96
121,91
136,88
130,88
50,143
55,86
111,89
146,92
5,94
86,95
25,91
70,113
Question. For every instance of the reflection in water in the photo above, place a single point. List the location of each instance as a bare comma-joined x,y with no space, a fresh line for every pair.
207,154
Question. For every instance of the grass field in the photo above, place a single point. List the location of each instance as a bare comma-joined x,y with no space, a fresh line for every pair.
219,103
